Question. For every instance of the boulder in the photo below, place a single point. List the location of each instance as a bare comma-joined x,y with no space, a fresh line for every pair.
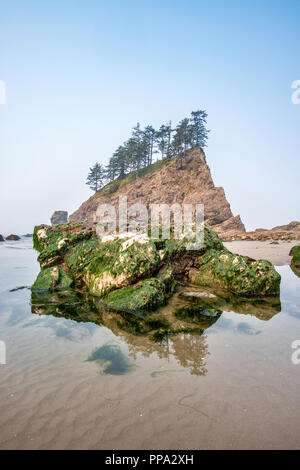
59,217
13,237
131,272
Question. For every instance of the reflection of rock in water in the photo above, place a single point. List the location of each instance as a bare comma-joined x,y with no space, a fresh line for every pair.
159,332
295,263
175,330
296,270
262,308
112,359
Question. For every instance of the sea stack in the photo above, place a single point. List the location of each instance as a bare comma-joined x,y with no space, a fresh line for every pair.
13,237
59,217
163,183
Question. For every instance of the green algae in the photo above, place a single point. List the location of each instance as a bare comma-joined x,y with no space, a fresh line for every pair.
237,274
147,295
140,274
52,279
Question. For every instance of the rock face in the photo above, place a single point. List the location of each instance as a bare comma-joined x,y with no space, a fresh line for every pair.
164,183
13,237
59,217
1,238
131,272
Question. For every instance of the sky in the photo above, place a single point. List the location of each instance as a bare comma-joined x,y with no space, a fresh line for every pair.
80,74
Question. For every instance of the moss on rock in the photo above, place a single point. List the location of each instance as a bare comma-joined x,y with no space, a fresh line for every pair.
146,295
51,279
237,274
295,263
105,266
133,272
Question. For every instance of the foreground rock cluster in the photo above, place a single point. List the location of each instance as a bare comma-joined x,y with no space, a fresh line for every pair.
131,272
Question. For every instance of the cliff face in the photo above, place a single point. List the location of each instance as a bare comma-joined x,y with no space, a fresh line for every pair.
164,183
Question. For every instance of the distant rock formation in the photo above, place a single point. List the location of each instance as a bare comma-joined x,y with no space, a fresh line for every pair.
290,231
59,217
13,237
234,223
1,238
293,226
164,183
260,235
28,235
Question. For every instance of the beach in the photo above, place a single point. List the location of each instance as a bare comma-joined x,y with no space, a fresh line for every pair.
277,254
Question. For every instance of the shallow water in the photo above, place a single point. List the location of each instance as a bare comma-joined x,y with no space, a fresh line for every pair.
77,379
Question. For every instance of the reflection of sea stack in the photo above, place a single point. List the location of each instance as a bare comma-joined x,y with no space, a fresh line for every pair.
59,217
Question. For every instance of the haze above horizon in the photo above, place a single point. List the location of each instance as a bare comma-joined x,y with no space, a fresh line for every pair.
79,75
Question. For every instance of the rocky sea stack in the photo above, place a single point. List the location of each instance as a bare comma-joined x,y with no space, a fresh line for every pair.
131,272
164,183
59,217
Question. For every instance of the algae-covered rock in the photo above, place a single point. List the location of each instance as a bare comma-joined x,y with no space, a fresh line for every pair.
295,263
238,274
105,266
52,279
147,295
133,272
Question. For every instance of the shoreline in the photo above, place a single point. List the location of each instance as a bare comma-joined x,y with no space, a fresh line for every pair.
277,254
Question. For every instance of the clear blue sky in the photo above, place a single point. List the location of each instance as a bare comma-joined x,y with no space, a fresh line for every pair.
80,74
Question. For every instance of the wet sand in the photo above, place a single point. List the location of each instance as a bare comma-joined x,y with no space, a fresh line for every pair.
276,254
233,387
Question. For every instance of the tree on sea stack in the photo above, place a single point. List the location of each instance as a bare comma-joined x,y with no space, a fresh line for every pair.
96,177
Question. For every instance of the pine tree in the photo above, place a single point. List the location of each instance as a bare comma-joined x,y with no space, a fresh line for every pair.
96,177
182,139
137,152
169,132
198,126
149,140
